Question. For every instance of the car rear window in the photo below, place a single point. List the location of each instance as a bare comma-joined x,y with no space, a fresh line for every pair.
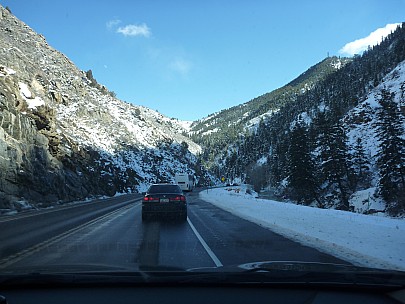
164,189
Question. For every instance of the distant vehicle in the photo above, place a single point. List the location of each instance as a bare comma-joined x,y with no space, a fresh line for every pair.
164,199
185,181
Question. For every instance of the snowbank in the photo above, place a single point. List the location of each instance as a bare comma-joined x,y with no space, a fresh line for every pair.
363,240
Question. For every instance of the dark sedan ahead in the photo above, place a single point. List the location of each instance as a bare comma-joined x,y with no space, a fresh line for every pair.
164,199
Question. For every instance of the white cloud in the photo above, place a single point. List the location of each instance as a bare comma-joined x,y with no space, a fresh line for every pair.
112,23
135,30
360,45
181,66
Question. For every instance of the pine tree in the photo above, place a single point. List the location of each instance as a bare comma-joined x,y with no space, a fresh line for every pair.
274,169
391,154
301,180
361,165
335,162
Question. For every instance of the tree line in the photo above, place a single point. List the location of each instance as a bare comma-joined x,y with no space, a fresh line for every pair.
311,161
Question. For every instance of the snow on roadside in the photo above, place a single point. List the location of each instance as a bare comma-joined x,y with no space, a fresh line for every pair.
364,240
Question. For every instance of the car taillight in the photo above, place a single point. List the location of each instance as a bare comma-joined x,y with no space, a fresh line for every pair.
150,199
179,198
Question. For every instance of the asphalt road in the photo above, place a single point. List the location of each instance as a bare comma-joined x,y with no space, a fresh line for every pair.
111,232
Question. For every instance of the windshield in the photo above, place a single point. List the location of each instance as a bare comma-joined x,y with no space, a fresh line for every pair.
279,126
164,189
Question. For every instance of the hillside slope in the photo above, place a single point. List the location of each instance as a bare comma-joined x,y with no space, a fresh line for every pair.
307,149
63,136
221,129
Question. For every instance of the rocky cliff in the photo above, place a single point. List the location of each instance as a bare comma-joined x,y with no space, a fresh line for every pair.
65,137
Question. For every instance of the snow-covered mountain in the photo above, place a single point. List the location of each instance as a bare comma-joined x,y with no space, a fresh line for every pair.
362,125
303,140
362,119
64,136
248,115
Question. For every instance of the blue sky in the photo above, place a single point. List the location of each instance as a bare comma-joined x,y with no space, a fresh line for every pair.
189,59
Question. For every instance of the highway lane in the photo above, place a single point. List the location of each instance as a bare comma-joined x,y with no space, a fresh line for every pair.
210,237
118,238
23,230
236,241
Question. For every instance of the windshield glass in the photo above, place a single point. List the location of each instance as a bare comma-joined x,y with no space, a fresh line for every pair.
279,125
164,189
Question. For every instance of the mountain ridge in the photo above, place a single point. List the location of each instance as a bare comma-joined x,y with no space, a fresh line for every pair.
228,125
269,101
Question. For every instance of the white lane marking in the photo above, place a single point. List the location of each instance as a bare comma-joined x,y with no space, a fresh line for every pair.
7,261
205,245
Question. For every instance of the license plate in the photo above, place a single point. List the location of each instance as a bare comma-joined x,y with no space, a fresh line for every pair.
164,200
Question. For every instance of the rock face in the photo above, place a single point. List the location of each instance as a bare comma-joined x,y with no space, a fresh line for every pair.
64,137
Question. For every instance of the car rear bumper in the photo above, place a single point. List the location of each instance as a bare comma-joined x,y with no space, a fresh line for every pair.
164,208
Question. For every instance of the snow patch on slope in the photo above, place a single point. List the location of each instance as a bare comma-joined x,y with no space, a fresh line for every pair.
362,119
25,93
